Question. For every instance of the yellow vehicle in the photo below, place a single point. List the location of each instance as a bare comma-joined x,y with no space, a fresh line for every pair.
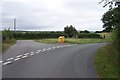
61,39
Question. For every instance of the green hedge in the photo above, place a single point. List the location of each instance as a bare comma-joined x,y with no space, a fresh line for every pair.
7,35
36,35
88,35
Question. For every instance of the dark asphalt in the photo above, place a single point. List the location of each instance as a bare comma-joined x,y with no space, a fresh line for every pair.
69,62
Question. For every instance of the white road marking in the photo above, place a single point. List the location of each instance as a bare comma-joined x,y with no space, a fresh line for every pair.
17,59
19,56
68,45
38,50
49,49
7,62
1,62
53,47
44,50
32,54
58,47
24,56
26,53
10,59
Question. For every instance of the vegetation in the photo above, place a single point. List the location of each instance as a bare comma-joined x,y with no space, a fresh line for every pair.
7,39
111,19
70,31
85,41
74,40
37,35
6,45
7,35
88,35
86,31
106,62
48,41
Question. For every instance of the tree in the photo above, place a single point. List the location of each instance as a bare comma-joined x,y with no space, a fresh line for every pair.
86,31
114,22
110,3
111,19
7,35
70,31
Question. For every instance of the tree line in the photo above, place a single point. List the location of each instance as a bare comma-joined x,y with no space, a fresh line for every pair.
111,20
69,32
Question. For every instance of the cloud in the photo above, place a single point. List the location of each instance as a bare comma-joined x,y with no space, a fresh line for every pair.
52,15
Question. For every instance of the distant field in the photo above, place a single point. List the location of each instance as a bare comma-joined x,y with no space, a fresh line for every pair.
79,41
107,35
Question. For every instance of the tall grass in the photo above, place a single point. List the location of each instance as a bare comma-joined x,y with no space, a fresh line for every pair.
7,39
106,62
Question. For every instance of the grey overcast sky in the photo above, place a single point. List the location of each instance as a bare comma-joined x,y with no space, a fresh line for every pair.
52,15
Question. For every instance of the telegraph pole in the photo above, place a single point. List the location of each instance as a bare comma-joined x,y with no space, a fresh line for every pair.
14,24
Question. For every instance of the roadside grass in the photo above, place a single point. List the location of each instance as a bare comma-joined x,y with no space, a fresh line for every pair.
7,44
77,40
84,41
106,62
0,47
73,40
48,41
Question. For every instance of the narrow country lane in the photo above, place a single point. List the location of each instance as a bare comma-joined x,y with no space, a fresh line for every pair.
29,59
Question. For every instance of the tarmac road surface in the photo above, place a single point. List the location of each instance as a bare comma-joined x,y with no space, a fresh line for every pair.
29,59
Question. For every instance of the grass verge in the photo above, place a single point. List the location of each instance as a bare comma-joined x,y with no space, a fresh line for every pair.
74,40
52,40
106,62
7,44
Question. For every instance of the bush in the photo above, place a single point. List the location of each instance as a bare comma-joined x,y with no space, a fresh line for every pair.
7,35
116,38
88,35
37,35
84,31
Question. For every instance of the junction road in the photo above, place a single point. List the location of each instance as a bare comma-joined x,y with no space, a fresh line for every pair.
29,59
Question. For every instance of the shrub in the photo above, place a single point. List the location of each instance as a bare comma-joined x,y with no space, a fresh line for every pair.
7,35
88,35
37,35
